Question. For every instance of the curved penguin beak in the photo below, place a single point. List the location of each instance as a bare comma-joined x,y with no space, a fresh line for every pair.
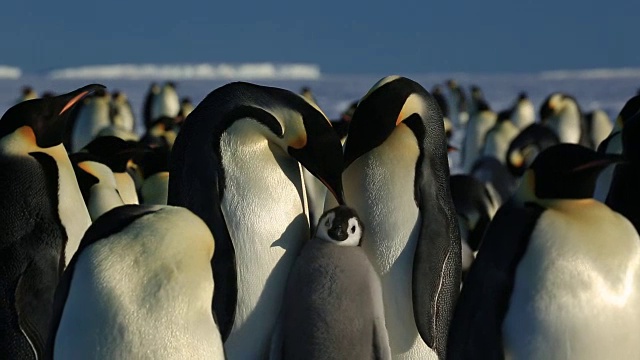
321,154
70,99
601,162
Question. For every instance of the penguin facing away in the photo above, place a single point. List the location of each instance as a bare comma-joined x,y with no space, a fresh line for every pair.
396,177
332,307
140,286
236,164
527,145
561,113
42,217
551,259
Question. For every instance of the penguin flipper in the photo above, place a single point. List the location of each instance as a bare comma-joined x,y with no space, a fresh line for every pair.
33,298
476,327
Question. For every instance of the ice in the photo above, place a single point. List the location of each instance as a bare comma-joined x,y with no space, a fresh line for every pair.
9,72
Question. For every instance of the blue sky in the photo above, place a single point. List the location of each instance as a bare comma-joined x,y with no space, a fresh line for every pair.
341,36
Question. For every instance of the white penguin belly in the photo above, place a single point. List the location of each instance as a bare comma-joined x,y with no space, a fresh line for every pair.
264,213
567,128
126,187
576,288
380,186
155,189
91,119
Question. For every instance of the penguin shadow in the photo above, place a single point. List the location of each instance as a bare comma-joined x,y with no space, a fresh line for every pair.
272,294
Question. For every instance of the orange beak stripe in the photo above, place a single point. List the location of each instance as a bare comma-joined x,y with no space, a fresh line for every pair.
73,102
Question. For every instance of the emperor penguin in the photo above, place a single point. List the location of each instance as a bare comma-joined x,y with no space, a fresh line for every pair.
457,104
166,102
527,145
396,177
117,154
236,164
556,276
477,101
154,167
122,113
523,113
42,217
139,287
613,145
598,126
97,184
498,139
27,93
154,90
332,308
441,100
623,195
474,135
93,115
186,107
561,113
496,177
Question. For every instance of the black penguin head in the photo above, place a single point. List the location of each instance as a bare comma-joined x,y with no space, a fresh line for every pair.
522,96
47,117
568,171
114,151
503,116
392,101
341,226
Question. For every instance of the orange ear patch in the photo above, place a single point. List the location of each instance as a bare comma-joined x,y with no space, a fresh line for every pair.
299,142
27,134
73,102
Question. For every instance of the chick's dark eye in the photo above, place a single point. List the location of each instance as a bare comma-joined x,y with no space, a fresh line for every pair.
353,229
326,223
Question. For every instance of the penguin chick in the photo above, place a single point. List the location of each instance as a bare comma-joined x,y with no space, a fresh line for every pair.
333,302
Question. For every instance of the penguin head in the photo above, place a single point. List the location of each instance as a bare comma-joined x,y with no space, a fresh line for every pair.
565,171
555,104
43,118
392,102
114,151
341,226
630,108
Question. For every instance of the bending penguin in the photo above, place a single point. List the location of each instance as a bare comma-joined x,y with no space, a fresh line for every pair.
236,164
140,286
333,302
550,260
396,177
42,217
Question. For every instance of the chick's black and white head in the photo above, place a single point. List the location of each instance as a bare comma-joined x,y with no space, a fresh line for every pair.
340,226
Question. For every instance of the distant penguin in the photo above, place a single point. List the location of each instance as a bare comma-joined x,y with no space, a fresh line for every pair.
551,259
523,113
236,164
166,102
475,133
154,167
457,104
440,98
93,115
186,107
498,139
561,113
527,145
475,206
306,93
332,308
477,101
495,176
396,177
116,154
613,145
122,114
598,126
139,287
161,133
149,98
341,126
42,218
27,93
97,184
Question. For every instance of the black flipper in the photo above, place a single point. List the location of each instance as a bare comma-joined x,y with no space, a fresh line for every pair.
437,260
476,327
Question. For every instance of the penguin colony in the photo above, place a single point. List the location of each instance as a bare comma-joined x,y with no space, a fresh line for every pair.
250,226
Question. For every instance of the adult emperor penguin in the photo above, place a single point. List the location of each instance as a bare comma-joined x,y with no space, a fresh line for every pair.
140,286
154,168
561,113
332,308
154,90
598,126
556,276
117,154
613,145
236,164
498,139
396,177
122,114
97,184
523,113
475,133
42,217
527,145
166,102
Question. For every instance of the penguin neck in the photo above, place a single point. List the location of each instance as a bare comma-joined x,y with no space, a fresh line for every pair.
72,210
126,187
264,209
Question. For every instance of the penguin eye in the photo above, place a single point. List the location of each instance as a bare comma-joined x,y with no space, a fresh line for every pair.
353,229
327,224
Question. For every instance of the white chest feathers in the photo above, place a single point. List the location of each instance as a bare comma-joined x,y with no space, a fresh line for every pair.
144,292
380,187
265,214
576,290
104,195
